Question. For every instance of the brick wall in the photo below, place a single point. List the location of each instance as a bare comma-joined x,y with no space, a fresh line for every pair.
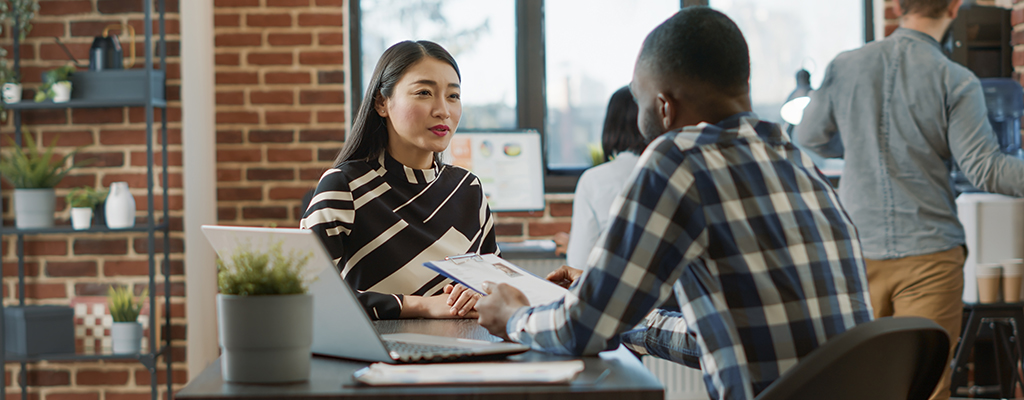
59,268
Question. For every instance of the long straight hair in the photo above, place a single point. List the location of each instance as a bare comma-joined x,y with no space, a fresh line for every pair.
369,136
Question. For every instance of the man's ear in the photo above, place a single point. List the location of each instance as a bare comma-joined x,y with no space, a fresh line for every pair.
896,9
380,103
954,8
666,111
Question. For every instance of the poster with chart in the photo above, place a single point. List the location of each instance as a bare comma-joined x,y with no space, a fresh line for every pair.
509,165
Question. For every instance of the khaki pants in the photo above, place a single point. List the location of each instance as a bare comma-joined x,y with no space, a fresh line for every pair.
929,286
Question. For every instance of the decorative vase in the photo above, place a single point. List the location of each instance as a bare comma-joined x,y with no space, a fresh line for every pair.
126,337
11,92
33,208
81,217
120,207
280,352
61,91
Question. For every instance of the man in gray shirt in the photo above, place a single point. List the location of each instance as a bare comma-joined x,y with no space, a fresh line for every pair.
898,110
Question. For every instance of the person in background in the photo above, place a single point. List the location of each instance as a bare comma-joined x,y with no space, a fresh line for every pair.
591,206
724,212
900,112
389,204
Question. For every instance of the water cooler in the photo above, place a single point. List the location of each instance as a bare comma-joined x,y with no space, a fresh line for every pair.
993,223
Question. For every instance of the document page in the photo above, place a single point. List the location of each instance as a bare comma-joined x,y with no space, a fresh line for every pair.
550,372
471,270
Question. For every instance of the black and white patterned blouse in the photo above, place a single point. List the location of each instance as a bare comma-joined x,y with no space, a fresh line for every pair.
381,220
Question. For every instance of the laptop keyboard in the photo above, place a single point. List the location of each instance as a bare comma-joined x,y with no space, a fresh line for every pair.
406,351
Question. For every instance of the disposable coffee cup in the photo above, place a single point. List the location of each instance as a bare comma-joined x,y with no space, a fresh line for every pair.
988,282
1013,269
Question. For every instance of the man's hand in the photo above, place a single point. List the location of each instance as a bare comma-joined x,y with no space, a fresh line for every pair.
564,276
461,299
496,308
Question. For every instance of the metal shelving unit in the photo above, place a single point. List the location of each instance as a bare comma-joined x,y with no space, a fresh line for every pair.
148,357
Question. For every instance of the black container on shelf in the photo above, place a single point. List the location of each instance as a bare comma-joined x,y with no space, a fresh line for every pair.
116,85
35,330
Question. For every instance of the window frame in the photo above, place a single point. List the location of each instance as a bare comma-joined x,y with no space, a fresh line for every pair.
531,102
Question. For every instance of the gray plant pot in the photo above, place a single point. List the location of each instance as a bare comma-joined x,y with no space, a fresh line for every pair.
34,208
126,337
265,339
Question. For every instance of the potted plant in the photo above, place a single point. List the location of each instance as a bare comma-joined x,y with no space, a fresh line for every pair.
82,202
11,88
33,174
56,85
264,291
126,331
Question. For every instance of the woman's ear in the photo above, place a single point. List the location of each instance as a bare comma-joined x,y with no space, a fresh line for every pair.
380,103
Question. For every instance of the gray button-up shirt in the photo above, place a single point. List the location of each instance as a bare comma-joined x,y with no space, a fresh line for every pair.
904,110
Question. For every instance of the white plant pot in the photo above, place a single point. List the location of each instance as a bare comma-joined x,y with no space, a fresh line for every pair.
126,337
265,339
33,208
61,91
81,217
119,207
11,92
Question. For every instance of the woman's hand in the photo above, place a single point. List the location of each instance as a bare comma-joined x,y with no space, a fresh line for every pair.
438,307
564,276
461,299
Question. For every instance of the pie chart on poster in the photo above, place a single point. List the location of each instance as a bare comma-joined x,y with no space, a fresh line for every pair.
485,148
513,149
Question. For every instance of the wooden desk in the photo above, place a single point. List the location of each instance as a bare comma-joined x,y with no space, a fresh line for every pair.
332,378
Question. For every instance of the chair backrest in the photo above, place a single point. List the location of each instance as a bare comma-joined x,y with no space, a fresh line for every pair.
889,358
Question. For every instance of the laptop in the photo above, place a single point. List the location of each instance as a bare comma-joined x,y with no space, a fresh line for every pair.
340,326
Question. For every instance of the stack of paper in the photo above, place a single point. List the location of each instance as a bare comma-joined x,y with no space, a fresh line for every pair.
380,374
471,270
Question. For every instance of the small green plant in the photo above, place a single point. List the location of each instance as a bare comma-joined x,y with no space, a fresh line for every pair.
29,168
257,273
124,307
86,197
51,78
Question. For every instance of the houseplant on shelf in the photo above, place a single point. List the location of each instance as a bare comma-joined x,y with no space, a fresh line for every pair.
264,291
82,201
126,331
34,173
56,85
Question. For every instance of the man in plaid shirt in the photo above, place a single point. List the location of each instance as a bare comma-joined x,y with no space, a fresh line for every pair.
725,213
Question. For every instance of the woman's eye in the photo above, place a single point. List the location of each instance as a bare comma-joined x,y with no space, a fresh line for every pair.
455,96
423,93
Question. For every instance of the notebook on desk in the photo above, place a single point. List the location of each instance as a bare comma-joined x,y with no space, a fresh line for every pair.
340,326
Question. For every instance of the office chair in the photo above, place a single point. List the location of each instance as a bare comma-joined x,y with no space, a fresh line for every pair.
889,358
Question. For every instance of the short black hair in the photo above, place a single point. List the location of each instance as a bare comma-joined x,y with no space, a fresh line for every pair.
621,132
699,44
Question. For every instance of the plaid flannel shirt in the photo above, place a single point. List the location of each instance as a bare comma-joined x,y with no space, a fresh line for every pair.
750,237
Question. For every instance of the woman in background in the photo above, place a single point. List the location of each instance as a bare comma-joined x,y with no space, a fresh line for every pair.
622,144
390,204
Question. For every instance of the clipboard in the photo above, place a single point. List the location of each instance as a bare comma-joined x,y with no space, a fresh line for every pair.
471,270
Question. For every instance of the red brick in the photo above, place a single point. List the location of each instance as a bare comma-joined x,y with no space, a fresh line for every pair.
1018,37
173,180
238,40
236,3
178,376
508,229
105,159
328,77
140,245
890,13
72,396
48,377
330,116
287,117
125,268
890,28
264,213
231,98
269,58
122,137
227,20
11,268
321,97
237,78
286,78
311,174
547,228
171,25
268,20
272,97
138,114
101,246
41,291
97,115
49,51
65,7
271,136
1018,57
46,29
322,58
46,247
239,155
289,155
327,154
331,38
134,180
227,59
44,117
71,268
289,39
240,194
321,135
32,74
92,289
177,332
330,2
561,209
173,137
127,396
320,19
229,175
227,214
270,174
173,158
76,180
229,137
25,53
101,377
177,289
237,117
173,92
177,311
118,6
524,214
1017,16
287,3
70,138
288,193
